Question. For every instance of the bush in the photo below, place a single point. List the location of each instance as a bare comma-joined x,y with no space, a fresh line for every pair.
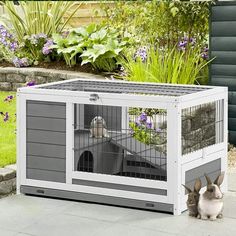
159,22
90,44
34,29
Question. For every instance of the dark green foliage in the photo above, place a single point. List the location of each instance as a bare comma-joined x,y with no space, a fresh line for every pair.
159,22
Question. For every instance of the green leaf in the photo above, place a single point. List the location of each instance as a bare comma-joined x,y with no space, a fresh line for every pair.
91,28
174,11
81,31
99,35
85,61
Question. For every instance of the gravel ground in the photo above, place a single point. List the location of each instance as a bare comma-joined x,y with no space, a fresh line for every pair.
232,157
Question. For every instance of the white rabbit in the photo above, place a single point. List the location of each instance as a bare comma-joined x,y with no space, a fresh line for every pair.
210,203
98,128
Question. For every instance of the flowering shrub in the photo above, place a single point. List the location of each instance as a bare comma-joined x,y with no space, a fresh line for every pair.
22,55
8,44
158,22
38,45
33,27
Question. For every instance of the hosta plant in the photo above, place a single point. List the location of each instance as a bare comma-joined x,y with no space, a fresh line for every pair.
90,44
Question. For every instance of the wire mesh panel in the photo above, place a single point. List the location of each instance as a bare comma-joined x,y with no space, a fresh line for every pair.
120,141
202,126
127,88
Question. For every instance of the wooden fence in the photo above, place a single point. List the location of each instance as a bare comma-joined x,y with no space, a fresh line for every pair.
88,12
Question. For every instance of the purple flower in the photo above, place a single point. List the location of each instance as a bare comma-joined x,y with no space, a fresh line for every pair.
7,39
158,130
30,83
8,98
183,44
16,61
204,55
141,53
6,117
149,125
204,52
46,48
35,38
143,117
24,62
20,62
13,46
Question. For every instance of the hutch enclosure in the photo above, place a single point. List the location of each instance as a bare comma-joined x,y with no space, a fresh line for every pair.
120,143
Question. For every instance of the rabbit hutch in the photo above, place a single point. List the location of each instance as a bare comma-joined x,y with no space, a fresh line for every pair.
120,143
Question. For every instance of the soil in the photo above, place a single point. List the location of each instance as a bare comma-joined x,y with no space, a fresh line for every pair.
59,65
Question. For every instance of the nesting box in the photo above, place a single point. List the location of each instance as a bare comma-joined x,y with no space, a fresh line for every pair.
120,143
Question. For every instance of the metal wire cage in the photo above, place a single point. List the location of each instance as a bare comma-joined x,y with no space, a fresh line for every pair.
122,143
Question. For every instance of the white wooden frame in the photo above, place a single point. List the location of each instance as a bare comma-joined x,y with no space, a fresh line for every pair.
177,164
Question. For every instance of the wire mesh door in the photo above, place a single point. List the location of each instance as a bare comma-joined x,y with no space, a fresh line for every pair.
120,141
202,126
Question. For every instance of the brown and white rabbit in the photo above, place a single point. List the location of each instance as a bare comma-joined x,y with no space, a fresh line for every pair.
211,201
193,198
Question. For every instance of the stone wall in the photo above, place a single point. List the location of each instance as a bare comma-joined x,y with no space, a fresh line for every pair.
7,180
12,78
199,127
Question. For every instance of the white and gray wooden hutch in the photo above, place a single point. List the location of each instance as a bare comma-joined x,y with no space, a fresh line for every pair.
158,137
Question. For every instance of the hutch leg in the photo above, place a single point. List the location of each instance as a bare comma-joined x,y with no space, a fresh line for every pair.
173,156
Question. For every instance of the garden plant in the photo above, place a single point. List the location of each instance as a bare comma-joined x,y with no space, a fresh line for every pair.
145,41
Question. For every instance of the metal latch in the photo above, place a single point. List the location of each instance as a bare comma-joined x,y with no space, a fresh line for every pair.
94,97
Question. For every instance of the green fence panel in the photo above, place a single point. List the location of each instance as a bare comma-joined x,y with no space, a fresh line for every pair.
223,50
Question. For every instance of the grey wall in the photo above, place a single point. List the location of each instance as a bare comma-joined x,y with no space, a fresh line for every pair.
223,48
46,141
212,169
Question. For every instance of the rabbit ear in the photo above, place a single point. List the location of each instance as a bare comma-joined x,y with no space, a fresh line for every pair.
188,189
197,185
104,124
208,180
219,179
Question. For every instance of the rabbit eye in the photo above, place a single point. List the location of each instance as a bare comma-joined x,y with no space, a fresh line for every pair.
210,190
